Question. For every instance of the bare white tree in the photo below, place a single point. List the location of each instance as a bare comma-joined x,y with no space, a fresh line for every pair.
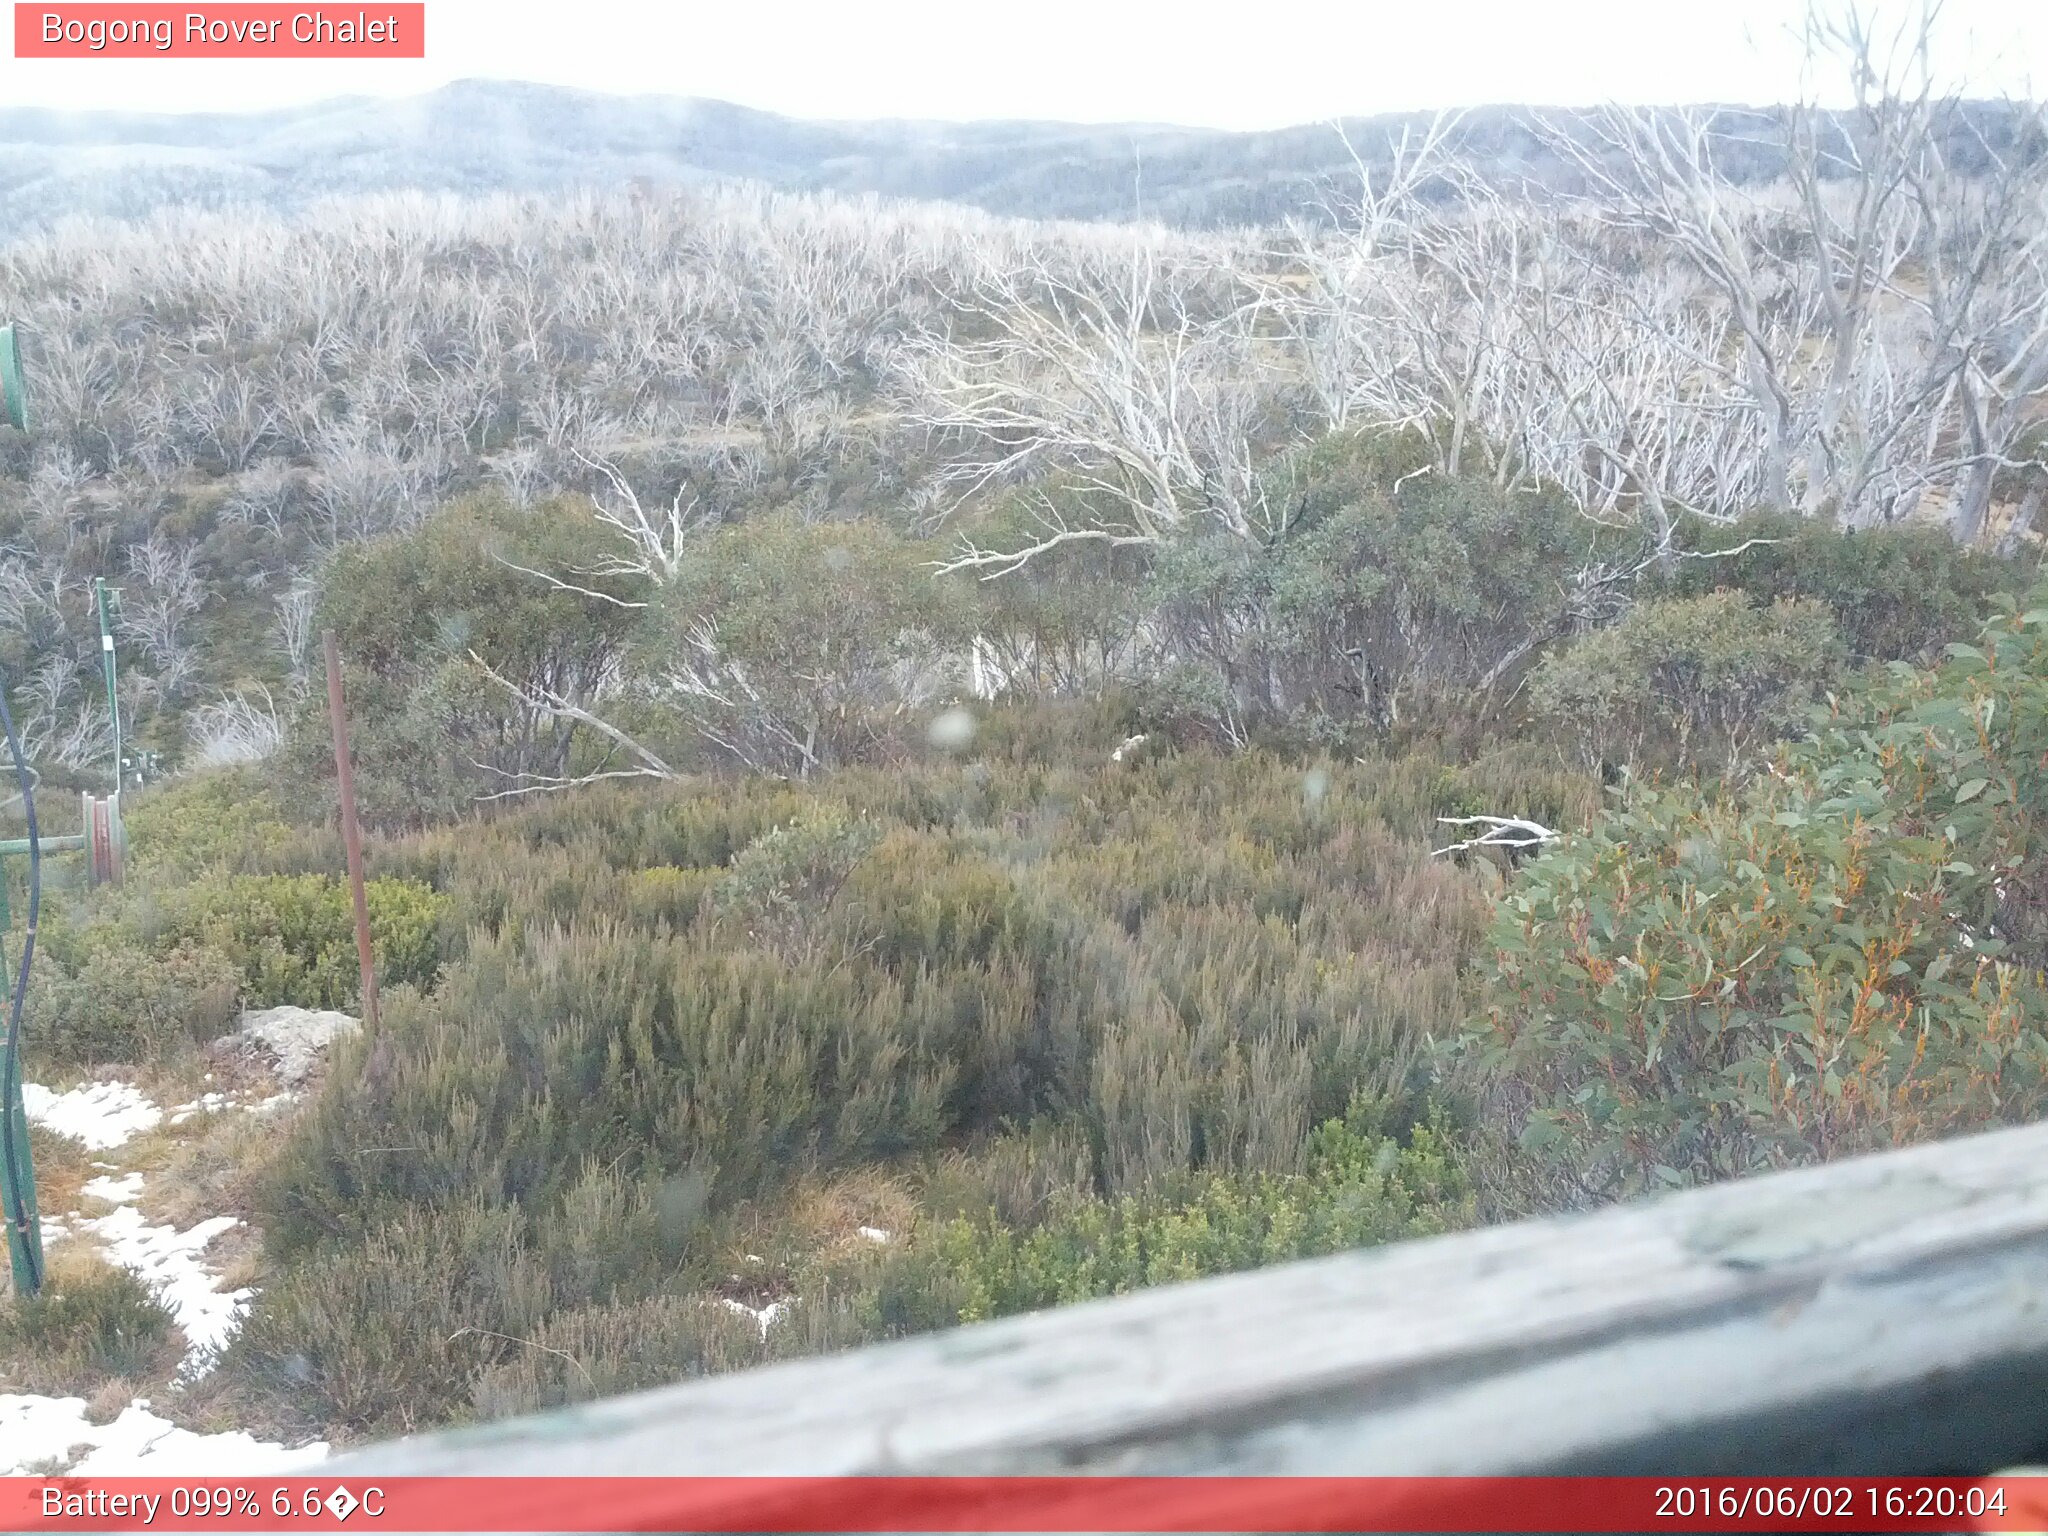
1859,337
1143,393
166,593
549,703
650,544
295,630
1886,323
235,728
263,496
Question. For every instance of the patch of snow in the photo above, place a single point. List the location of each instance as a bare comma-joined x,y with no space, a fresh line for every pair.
122,1191
214,1103
39,1431
205,1104
296,1037
45,1431
101,1115
168,1262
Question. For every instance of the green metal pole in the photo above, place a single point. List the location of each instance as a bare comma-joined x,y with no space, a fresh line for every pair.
24,1240
64,842
24,1248
13,397
99,589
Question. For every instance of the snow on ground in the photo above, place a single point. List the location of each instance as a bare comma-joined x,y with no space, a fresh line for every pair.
104,1115
169,1262
115,1191
39,1432
215,1103
101,1115
53,1432
205,1104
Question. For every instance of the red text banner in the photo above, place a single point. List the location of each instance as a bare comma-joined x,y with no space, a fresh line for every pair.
224,31
1053,1504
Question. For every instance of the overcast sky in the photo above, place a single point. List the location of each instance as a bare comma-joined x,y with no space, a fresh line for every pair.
1275,62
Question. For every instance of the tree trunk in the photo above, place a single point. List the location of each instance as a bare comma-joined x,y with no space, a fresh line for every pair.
1972,503
2023,520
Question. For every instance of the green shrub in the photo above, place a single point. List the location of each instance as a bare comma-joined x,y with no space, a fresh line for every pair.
430,731
667,895
781,884
1063,625
1192,701
292,937
1357,1190
91,1323
1048,985
1842,954
594,1352
387,1334
1690,679
1383,602
1015,1176
1896,593
129,1004
794,647
205,821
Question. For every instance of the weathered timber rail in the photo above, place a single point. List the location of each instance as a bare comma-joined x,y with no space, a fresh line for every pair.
1886,1314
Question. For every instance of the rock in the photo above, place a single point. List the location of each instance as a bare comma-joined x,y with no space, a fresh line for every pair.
296,1038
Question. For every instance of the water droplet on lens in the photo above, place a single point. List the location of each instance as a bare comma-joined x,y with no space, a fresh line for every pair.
951,730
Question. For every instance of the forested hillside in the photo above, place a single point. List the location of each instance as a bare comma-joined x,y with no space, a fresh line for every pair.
923,764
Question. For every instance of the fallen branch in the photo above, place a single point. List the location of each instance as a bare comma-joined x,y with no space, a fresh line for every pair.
1511,832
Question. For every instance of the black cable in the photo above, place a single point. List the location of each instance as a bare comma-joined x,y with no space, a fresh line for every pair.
10,1054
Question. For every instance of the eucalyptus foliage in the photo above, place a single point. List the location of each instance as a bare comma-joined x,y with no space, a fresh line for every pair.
1841,952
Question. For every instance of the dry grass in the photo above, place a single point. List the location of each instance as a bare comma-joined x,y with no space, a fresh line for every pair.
828,1218
236,1256
107,1404
218,1403
206,1167
71,1265
63,1167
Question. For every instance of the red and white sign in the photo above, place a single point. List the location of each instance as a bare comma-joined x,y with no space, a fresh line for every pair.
228,31
1047,1504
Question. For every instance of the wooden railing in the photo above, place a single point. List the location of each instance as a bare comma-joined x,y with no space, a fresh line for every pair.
1887,1314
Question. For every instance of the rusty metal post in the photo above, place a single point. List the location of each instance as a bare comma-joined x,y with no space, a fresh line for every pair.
351,835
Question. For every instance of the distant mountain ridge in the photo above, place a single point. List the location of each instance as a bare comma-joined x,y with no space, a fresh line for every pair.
482,136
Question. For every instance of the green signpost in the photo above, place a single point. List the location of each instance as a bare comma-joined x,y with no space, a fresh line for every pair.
17,1173
18,1176
13,398
102,841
